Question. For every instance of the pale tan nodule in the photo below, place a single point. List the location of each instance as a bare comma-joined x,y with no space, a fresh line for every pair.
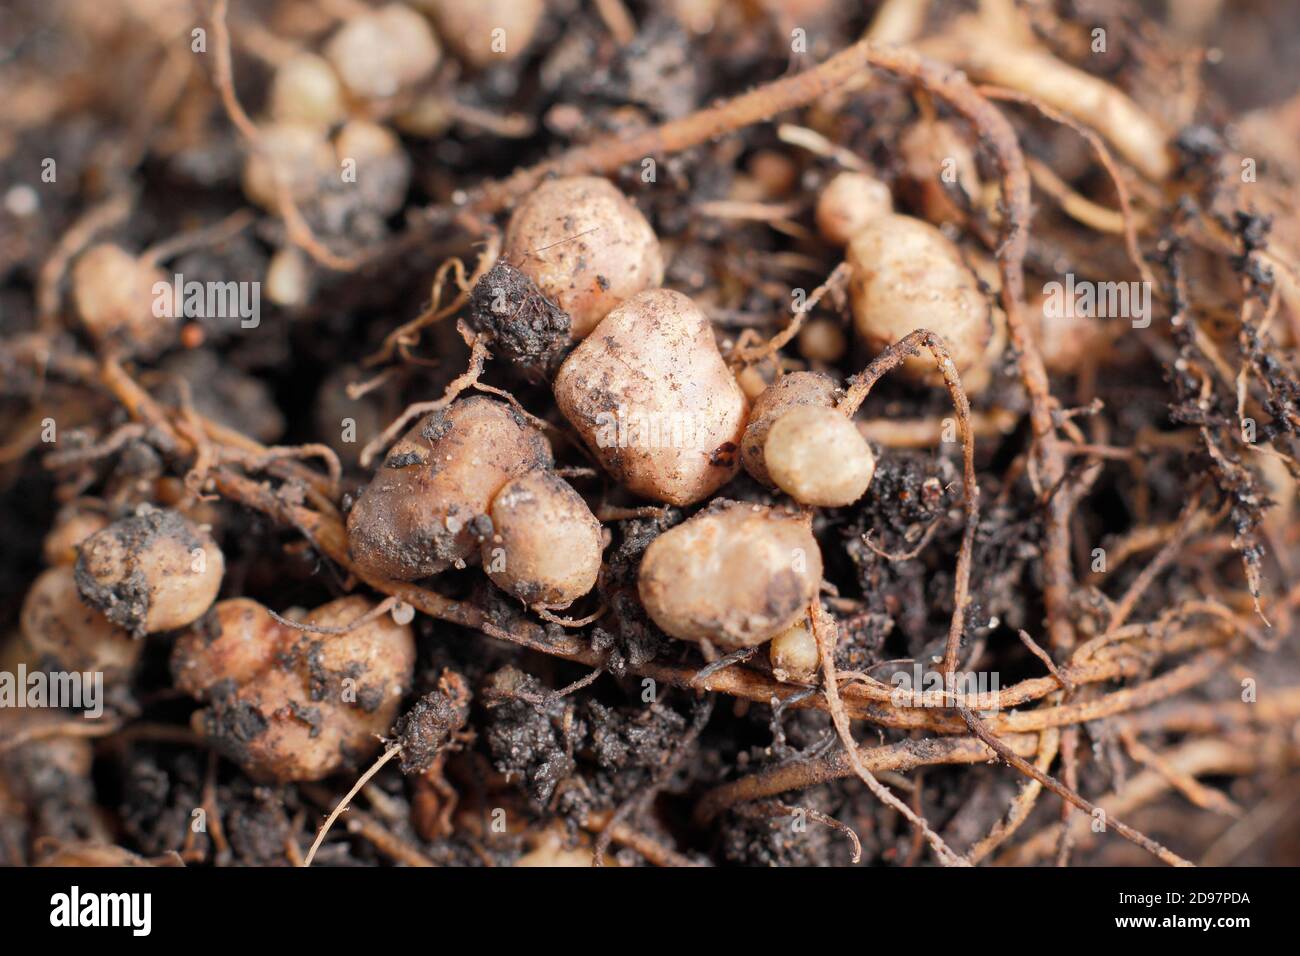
734,575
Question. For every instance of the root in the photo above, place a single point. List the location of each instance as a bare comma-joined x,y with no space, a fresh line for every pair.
213,235
342,805
825,633
835,284
115,442
650,848
387,605
333,466
299,232
1046,658
1187,785
479,354
1026,799
738,656
406,336
1200,757
861,386
1128,221
1009,756
542,611
766,809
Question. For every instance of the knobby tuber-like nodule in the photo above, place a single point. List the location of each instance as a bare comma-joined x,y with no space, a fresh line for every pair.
794,431
124,302
793,653
848,204
545,544
787,392
822,340
291,705
293,157
152,571
61,631
305,89
585,245
651,397
75,522
799,445
907,275
734,575
425,509
939,168
375,159
482,33
379,53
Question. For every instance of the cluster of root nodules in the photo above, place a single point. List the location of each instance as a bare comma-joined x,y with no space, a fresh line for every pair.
665,449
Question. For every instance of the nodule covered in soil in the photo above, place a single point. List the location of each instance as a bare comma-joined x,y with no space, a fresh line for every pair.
795,433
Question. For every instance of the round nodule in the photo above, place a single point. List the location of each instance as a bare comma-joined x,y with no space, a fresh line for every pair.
586,246
817,456
734,575
794,653
546,542
908,275
789,391
152,571
849,203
